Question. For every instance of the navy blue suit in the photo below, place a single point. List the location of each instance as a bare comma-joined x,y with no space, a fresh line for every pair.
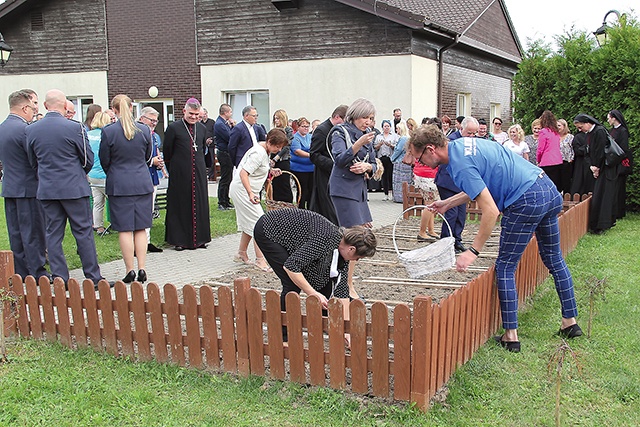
60,151
446,188
221,135
240,140
25,218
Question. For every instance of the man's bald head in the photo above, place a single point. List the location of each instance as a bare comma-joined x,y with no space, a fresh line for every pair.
55,100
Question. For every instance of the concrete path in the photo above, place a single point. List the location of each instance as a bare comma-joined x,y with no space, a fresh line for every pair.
193,266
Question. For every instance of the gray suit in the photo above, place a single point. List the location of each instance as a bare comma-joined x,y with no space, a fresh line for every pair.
60,151
25,218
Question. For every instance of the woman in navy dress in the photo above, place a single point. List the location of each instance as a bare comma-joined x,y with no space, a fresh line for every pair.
125,155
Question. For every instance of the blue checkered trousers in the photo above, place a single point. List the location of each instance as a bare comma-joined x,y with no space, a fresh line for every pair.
535,211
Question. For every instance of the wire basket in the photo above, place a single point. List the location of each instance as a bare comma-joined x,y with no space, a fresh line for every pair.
273,205
430,259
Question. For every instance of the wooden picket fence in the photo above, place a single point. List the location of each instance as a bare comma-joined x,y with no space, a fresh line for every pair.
406,353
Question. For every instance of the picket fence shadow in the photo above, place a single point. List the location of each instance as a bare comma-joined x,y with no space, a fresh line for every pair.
402,353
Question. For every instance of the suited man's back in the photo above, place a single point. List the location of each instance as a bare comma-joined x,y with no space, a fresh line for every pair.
59,148
20,179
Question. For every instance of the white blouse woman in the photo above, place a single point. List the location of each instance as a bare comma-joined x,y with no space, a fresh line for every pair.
516,142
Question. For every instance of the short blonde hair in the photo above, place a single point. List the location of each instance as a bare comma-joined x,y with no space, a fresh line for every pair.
100,120
403,131
519,132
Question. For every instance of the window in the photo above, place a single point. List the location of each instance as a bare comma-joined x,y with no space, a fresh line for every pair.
496,111
259,99
463,105
164,107
81,104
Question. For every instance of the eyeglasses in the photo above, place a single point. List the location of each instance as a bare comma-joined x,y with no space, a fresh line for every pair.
420,158
497,124
153,121
34,109
303,126
254,115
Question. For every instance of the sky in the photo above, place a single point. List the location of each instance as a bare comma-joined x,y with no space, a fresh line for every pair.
546,18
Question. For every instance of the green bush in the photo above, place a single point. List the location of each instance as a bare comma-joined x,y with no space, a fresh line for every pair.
584,78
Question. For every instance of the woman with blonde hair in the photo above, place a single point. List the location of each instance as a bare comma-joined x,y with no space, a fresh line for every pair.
532,140
516,142
125,155
566,149
281,185
402,172
96,175
411,125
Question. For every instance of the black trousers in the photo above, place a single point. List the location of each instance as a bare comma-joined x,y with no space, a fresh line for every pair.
387,175
306,188
276,255
226,172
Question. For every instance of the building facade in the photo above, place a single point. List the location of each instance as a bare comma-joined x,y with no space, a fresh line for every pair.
305,56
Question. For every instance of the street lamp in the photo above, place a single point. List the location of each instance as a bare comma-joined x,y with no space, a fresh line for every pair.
601,33
5,51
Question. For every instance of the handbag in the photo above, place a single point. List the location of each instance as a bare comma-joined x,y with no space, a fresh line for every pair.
613,153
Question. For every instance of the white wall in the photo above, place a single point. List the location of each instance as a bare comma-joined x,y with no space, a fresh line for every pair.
314,88
90,84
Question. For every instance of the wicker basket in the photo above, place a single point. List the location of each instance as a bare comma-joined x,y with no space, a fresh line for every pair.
273,205
430,259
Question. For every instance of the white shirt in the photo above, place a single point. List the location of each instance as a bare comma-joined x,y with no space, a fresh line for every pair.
518,149
251,132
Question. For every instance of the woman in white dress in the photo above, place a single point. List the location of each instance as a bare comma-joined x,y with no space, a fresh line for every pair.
516,142
248,179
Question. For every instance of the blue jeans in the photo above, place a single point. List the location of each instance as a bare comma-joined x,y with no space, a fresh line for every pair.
535,211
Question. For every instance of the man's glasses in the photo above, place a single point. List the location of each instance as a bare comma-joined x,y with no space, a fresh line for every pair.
153,121
420,158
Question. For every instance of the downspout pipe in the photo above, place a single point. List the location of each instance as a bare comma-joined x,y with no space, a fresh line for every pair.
439,53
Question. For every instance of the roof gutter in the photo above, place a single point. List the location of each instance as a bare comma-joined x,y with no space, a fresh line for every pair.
439,52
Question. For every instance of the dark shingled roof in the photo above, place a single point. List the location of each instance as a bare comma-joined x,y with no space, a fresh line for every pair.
453,15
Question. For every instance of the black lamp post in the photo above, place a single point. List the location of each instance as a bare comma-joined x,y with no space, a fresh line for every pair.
601,33
5,51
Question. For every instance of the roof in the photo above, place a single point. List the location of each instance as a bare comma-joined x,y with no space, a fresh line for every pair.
445,17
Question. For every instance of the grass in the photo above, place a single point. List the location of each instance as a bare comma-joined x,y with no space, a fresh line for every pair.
47,384
222,223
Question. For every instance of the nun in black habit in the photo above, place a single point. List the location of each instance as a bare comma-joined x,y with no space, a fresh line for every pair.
620,133
602,214
582,182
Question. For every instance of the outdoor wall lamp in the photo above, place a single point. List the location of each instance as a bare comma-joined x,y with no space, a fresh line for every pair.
601,33
5,51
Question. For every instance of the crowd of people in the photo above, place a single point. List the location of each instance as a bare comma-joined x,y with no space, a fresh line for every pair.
54,164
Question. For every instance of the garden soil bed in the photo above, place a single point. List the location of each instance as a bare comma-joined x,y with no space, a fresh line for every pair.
383,278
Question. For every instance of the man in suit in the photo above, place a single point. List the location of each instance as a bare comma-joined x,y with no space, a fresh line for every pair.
59,150
25,218
457,216
321,158
221,133
210,154
245,134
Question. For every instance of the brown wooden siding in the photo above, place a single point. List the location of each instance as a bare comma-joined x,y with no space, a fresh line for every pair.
72,38
153,45
245,31
492,29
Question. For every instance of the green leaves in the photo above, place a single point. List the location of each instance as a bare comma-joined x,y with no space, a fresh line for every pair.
584,78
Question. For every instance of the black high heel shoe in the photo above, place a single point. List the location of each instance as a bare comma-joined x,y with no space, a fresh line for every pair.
142,276
130,277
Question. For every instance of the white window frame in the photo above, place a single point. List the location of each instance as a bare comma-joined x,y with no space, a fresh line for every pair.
78,102
495,111
463,104
244,98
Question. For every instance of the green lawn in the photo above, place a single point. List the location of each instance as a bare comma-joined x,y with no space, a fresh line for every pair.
47,384
222,223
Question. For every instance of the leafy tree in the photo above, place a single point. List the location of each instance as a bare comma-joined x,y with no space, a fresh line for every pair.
584,78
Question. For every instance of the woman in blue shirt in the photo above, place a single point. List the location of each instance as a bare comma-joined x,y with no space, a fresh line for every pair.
301,165
96,175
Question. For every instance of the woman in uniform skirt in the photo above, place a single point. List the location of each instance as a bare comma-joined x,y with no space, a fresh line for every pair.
125,155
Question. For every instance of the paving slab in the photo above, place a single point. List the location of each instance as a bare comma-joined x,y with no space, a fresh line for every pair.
192,266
